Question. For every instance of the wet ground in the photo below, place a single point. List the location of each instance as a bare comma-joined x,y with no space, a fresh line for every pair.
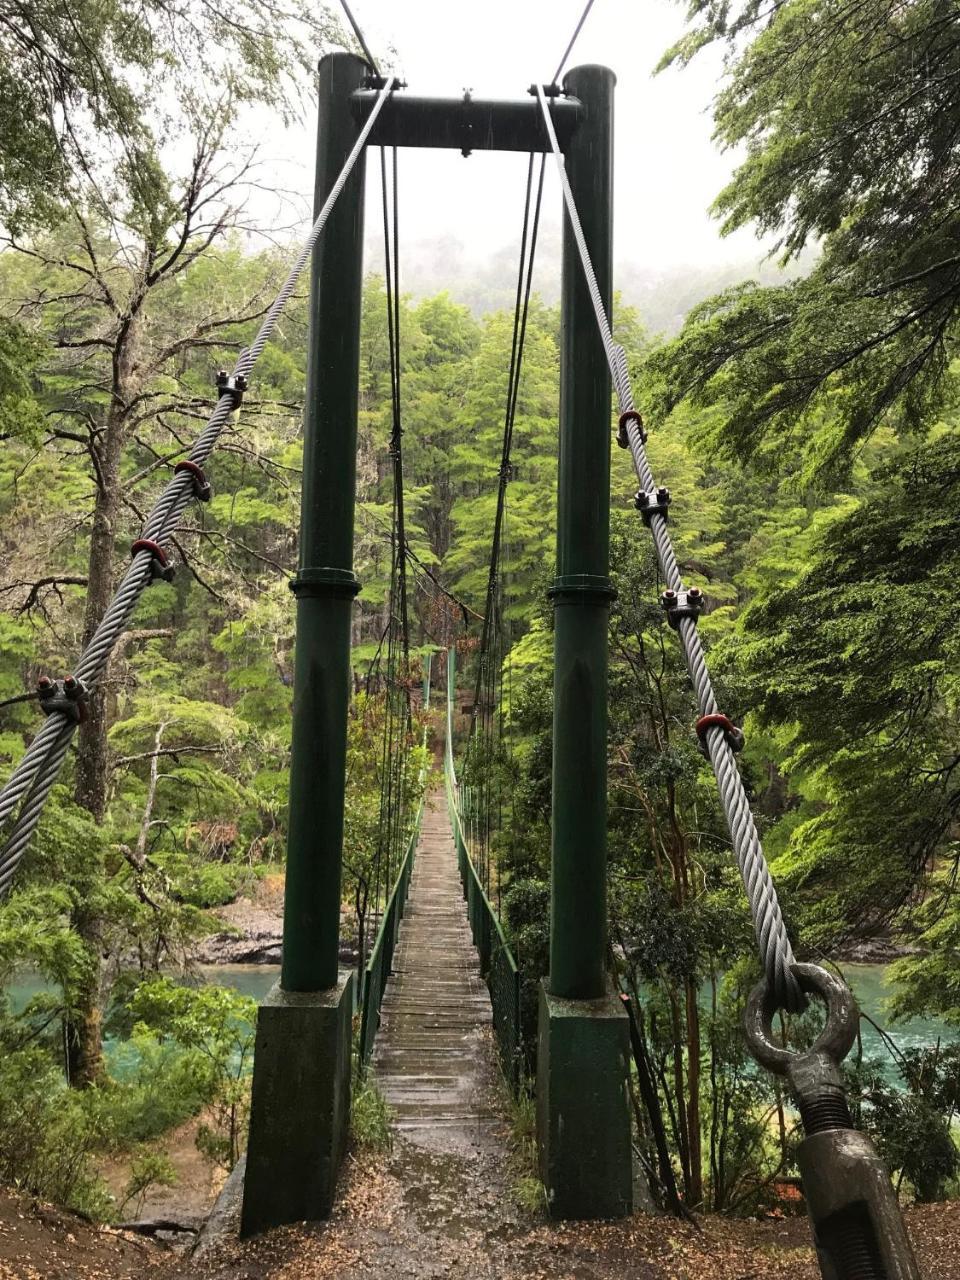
442,1204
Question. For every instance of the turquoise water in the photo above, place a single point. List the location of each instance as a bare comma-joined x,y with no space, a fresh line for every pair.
869,982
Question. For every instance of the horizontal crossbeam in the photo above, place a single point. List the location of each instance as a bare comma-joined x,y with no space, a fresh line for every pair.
466,124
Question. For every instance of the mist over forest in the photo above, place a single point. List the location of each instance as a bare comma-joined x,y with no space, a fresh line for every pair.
663,296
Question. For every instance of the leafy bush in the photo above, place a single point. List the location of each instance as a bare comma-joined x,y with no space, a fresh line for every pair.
213,1029
912,1126
48,1135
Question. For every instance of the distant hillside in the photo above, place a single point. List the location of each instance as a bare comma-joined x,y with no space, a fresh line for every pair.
662,297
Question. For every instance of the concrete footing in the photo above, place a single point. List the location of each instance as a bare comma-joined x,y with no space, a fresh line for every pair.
300,1108
583,1117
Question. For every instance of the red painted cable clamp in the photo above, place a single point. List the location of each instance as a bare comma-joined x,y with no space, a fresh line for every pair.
160,566
731,732
203,490
630,415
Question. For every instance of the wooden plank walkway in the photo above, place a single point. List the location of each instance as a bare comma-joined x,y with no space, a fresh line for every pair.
434,1056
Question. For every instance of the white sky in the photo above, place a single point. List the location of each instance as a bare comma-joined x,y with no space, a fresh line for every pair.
668,169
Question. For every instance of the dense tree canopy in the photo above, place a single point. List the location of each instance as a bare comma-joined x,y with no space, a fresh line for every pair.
849,116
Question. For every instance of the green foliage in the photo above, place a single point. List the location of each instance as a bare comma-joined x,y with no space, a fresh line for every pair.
526,1183
127,75
213,1026
48,1136
912,1121
369,1116
147,1169
866,337
856,668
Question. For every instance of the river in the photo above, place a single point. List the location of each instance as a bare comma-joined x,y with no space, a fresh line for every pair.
869,982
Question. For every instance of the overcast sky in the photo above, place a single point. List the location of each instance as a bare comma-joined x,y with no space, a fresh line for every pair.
668,169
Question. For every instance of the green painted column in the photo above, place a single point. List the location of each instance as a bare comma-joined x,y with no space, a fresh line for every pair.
325,584
300,1102
582,592
583,1120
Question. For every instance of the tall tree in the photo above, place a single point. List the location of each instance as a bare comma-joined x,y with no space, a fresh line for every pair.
850,117
80,84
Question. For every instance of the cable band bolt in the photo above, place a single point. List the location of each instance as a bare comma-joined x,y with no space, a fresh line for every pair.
232,385
202,489
160,566
628,416
652,502
731,732
682,604
65,696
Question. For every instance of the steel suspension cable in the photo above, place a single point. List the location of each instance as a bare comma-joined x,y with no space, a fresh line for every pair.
31,781
769,925
360,37
481,744
573,40
528,248
397,709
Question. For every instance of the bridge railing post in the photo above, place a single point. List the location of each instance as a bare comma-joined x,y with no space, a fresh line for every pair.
301,1081
582,1100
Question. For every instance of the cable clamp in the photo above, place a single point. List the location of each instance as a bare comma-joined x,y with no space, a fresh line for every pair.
650,502
232,385
160,566
628,416
65,696
373,81
682,604
202,489
731,732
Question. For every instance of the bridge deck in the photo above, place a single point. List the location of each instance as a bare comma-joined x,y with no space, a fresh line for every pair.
434,1057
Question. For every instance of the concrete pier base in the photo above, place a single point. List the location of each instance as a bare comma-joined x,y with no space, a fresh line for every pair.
583,1116
300,1109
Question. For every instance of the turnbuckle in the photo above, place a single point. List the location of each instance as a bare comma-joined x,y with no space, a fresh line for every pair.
857,1226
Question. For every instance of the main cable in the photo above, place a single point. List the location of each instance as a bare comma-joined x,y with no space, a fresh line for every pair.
359,34
30,783
573,40
528,248
769,924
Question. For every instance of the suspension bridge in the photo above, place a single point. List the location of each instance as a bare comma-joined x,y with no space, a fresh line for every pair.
441,974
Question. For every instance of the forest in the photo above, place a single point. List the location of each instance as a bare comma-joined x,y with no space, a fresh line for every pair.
807,424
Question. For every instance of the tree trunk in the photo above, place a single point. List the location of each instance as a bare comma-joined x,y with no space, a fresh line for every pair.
695,1188
84,1028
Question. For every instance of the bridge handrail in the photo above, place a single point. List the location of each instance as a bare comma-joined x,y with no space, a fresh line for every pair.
380,961
497,961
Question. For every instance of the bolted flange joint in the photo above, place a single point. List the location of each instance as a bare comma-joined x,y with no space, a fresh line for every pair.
232,385
160,566
650,502
65,696
682,604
